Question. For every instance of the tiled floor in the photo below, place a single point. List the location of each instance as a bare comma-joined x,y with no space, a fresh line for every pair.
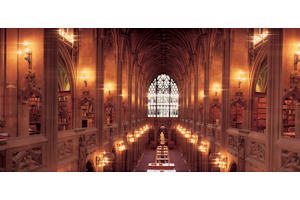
175,157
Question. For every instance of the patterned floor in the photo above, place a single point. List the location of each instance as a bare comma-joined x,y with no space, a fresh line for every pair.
149,156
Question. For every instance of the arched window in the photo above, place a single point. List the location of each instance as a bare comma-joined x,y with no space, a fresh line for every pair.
163,97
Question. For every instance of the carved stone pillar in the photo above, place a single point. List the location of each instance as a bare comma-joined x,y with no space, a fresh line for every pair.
119,94
274,91
225,105
99,87
196,72
206,97
50,95
130,74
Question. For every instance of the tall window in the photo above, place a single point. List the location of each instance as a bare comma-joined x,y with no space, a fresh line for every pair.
163,97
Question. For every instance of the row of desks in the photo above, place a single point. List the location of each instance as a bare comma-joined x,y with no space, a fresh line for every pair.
162,161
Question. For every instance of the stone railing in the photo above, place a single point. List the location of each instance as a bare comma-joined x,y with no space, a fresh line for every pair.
218,133
209,132
247,145
110,131
232,141
69,144
27,153
257,146
289,154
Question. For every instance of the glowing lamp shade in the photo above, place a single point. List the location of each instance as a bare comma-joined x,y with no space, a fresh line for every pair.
84,75
216,87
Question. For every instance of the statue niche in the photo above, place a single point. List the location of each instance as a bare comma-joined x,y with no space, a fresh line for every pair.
215,112
87,110
109,111
31,109
237,109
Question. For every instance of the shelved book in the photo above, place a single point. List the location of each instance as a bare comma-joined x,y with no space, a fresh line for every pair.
3,138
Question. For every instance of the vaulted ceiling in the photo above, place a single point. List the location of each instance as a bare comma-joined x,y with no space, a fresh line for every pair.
164,50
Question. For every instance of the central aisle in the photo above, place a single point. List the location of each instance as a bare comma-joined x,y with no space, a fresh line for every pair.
149,157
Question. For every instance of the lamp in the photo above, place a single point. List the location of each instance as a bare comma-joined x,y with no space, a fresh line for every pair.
202,94
203,147
84,76
137,134
101,159
260,37
297,58
194,139
241,78
108,88
219,160
216,88
27,55
66,36
130,138
121,146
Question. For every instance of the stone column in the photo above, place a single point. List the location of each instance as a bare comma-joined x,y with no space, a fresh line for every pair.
189,98
119,93
136,95
50,95
130,74
225,105
206,97
100,86
196,66
274,95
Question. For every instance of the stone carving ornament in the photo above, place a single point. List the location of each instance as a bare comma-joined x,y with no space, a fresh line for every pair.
290,160
27,160
257,150
82,154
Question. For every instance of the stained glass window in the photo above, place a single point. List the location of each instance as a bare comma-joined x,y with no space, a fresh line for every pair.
163,97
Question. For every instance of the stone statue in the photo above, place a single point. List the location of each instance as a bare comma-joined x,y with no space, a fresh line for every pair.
162,138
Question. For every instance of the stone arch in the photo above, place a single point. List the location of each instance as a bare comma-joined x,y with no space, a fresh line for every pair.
233,167
90,166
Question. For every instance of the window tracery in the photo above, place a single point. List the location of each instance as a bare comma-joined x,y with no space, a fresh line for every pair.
163,97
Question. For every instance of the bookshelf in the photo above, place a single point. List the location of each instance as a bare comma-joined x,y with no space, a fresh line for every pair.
87,114
259,115
34,103
64,111
237,114
288,115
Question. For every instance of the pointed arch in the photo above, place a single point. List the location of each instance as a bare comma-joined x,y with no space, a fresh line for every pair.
163,97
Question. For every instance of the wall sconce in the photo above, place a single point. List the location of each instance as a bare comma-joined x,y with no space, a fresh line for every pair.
297,58
193,139
84,76
216,88
137,134
27,55
203,147
260,37
220,160
102,160
241,78
120,146
187,134
108,88
66,36
130,138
